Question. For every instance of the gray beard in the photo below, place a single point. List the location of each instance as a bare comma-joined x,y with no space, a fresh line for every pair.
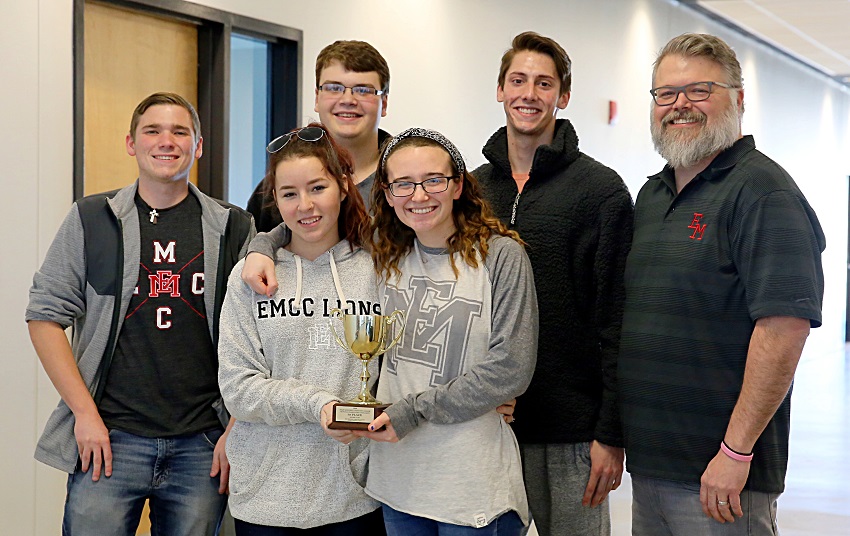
682,152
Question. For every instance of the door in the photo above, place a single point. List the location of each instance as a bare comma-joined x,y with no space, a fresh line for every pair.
128,56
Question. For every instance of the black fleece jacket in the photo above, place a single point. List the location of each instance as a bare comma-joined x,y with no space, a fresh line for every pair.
576,217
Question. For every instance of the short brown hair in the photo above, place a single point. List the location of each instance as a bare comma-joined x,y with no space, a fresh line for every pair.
534,42
356,56
353,222
166,99
704,46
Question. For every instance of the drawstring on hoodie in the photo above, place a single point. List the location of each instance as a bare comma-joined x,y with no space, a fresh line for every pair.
299,276
335,275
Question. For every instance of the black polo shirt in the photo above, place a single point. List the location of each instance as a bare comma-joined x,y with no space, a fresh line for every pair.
738,243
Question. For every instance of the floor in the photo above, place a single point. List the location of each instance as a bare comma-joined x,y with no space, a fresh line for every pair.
816,501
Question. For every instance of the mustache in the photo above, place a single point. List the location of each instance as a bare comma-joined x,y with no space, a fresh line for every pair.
687,116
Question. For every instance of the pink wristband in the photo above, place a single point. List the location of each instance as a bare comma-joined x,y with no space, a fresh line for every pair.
737,456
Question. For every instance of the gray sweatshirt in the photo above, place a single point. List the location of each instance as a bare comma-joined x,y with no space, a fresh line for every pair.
469,345
278,366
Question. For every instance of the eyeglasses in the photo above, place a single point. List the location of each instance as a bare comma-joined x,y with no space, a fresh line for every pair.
304,134
434,185
362,92
695,92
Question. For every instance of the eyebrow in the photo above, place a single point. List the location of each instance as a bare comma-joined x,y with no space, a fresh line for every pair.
309,183
160,126
429,175
523,73
366,84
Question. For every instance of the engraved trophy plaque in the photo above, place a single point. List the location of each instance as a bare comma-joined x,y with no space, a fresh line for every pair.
365,336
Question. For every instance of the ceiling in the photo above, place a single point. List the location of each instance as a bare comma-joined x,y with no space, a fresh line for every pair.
815,32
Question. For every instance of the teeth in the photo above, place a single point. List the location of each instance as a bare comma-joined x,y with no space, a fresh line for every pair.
310,221
682,121
422,210
347,116
165,157
527,110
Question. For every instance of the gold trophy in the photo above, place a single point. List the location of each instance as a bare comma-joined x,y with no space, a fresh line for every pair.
365,337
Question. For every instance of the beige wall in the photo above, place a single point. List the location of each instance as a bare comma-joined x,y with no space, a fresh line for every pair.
444,57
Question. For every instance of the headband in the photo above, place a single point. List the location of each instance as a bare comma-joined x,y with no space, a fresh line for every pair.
431,135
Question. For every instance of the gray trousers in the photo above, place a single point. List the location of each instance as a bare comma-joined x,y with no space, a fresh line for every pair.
555,478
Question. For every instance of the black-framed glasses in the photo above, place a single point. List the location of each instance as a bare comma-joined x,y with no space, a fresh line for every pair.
337,90
434,185
695,92
304,134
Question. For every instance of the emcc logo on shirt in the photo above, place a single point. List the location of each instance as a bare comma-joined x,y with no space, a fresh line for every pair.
695,225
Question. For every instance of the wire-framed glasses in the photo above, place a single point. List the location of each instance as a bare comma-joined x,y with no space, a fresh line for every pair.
336,90
434,185
695,92
304,134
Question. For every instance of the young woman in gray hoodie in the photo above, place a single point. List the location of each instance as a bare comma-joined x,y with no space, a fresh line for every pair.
279,365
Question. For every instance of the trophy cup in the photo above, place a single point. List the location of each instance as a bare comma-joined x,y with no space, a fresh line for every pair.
365,337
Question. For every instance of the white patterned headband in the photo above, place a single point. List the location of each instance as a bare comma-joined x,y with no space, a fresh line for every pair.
431,135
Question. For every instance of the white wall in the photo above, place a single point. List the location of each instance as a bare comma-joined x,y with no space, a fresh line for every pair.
444,58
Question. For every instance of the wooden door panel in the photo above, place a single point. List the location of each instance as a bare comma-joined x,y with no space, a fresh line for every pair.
128,56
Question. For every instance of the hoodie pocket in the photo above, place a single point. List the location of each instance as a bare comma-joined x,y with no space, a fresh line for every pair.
251,455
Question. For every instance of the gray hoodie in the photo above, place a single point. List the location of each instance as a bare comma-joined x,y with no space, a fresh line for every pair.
278,366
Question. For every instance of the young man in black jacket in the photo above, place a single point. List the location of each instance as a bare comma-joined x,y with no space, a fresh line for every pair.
576,217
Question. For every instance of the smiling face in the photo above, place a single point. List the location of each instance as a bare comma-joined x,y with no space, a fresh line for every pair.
531,95
309,201
350,119
164,144
689,133
429,215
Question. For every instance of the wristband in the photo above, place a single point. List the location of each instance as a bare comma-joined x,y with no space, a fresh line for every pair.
737,456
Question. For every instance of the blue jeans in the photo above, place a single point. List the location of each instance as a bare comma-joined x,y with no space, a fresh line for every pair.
173,473
401,524
668,508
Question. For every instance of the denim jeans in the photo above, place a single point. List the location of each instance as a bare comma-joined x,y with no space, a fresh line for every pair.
174,473
556,476
401,524
668,508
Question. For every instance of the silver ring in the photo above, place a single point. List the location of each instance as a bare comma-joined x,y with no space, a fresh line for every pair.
722,503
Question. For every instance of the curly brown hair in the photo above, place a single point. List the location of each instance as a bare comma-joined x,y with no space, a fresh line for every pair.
353,222
474,220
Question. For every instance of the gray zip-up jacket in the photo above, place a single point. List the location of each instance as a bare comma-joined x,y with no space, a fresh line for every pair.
92,264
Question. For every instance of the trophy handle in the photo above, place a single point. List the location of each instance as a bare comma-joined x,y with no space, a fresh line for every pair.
397,314
337,313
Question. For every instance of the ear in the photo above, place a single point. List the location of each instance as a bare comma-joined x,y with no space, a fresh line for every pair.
563,100
343,191
459,189
384,99
199,149
740,98
316,102
389,197
131,145
500,94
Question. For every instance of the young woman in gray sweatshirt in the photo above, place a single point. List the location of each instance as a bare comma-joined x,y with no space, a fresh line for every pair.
279,365
442,455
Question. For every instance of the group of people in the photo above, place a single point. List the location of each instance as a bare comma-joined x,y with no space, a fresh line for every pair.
553,330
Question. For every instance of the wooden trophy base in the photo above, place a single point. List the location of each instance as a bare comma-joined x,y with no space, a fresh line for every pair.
347,416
